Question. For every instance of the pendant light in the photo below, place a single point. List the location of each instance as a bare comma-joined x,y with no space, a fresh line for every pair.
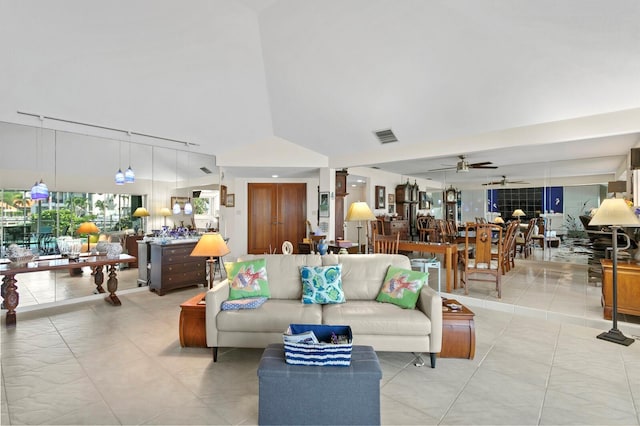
129,175
39,190
119,174
188,208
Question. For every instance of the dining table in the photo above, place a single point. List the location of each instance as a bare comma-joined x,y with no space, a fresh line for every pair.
9,270
450,252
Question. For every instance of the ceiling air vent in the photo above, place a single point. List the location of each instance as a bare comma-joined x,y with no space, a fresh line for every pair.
385,136
205,170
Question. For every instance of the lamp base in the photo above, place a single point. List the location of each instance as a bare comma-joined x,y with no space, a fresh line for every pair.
614,335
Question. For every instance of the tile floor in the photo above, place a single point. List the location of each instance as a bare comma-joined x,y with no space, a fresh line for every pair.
537,362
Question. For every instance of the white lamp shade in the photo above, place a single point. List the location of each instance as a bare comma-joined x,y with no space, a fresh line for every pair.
518,213
614,211
176,208
188,208
141,212
359,210
165,212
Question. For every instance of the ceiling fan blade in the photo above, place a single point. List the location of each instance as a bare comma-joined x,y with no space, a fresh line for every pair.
444,168
482,167
484,163
493,183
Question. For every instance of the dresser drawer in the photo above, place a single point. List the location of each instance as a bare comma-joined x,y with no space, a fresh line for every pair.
177,268
174,255
186,277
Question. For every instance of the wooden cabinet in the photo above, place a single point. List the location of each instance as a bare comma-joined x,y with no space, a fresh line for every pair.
458,332
131,244
277,213
192,326
172,267
396,226
628,288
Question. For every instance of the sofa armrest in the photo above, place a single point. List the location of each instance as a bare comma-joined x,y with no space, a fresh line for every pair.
430,303
213,299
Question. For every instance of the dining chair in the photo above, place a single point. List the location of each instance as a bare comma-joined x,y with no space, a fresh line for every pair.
386,244
525,241
508,240
479,236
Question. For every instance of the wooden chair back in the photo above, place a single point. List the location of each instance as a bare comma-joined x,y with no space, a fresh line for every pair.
478,243
386,244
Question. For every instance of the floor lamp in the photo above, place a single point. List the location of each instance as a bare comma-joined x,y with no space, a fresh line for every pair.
211,245
615,213
359,211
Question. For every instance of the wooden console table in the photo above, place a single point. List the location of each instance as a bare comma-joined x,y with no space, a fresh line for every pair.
9,271
458,332
192,328
450,252
628,287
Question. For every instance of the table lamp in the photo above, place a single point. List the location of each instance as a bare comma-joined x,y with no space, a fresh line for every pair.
210,244
615,213
518,213
499,220
88,228
359,211
165,211
141,212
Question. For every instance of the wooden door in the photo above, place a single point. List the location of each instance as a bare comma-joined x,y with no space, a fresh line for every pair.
277,213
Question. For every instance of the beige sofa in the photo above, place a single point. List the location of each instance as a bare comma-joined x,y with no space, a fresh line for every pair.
384,326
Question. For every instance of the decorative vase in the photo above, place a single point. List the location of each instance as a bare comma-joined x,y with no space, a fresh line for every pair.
114,250
322,247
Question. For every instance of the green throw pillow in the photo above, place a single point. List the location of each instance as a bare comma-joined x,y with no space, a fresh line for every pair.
247,279
322,284
402,287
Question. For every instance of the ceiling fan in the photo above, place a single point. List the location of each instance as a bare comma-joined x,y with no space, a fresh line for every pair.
464,166
504,181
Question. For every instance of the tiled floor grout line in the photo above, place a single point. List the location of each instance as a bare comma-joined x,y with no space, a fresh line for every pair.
548,378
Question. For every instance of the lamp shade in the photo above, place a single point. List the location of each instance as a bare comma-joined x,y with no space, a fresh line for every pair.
165,211
498,220
211,244
39,191
518,213
188,208
129,175
141,212
614,211
119,177
87,228
359,210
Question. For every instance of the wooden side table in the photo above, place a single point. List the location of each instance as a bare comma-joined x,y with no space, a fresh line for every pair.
458,332
192,323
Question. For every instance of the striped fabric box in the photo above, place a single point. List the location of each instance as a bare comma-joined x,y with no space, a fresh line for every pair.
323,353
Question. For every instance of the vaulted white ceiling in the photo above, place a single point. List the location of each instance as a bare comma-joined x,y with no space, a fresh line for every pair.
492,80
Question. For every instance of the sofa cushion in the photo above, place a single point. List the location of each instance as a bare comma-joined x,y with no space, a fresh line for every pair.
322,284
362,274
402,287
247,279
272,317
371,317
284,273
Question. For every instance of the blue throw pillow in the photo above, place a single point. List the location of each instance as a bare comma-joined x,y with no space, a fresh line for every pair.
322,284
248,303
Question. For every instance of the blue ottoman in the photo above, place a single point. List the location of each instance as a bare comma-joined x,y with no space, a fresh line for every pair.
312,395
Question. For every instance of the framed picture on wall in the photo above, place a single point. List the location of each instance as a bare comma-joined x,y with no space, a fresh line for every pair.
323,204
380,197
423,202
391,199
223,195
231,200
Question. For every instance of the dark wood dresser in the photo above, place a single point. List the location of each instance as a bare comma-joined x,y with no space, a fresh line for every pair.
396,226
172,267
